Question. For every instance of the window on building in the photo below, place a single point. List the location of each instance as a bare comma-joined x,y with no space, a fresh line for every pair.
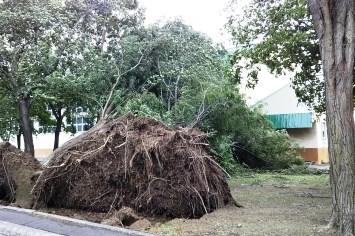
324,130
78,120
80,110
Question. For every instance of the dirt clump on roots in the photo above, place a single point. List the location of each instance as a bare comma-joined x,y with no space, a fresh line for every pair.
18,172
123,217
134,162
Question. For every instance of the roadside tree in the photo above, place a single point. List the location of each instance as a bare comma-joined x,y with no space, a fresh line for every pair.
283,37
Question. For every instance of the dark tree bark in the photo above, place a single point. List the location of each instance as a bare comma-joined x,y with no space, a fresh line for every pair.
334,21
24,104
18,138
59,122
58,129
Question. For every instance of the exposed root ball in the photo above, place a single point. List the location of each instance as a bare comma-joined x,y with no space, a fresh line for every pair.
17,173
137,163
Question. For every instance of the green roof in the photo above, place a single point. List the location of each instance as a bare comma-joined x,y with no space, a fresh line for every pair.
295,120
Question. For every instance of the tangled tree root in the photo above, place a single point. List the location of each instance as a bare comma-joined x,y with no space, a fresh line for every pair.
17,175
137,163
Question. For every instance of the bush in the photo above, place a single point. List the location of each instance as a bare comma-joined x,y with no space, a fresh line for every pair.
253,133
222,153
298,161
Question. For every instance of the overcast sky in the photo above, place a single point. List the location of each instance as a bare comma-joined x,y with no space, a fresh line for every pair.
206,16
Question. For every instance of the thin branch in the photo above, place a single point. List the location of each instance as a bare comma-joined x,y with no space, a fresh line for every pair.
66,42
108,104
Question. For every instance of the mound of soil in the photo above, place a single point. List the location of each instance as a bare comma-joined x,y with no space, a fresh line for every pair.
18,171
138,163
124,217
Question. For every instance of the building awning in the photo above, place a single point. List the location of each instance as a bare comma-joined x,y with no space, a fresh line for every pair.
296,120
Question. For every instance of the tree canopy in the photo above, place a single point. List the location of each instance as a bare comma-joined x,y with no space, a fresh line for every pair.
315,39
97,55
39,38
280,35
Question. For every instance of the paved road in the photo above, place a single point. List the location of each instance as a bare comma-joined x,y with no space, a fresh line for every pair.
22,222
320,167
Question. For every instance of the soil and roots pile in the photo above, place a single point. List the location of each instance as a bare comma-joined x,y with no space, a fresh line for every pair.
18,171
138,163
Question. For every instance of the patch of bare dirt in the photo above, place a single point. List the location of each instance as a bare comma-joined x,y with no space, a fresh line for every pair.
18,172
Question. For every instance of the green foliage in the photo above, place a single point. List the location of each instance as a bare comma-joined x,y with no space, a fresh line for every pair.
45,47
279,34
144,105
9,123
185,82
249,129
298,161
81,49
223,154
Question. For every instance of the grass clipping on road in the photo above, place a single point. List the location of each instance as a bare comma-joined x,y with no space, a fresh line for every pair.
138,163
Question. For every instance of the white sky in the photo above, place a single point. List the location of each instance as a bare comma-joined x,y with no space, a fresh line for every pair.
203,15
209,17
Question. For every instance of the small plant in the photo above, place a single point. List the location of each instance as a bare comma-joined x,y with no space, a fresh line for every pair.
298,161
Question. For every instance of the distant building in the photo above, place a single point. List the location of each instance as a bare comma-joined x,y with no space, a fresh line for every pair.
44,140
304,127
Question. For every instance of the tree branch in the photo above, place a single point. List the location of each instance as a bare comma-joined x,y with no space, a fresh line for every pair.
108,106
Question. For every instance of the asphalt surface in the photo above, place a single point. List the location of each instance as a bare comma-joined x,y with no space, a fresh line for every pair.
23,222
320,166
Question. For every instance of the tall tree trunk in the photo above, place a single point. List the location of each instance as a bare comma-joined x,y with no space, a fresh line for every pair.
58,128
57,131
334,21
18,138
24,104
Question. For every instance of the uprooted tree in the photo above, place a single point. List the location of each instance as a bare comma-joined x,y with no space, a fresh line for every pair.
134,162
137,163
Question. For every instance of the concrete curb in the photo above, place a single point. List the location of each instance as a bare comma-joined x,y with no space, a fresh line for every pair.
72,221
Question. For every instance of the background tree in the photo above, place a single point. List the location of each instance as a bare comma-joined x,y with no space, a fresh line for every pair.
101,23
335,25
9,123
280,35
40,37
185,82
22,26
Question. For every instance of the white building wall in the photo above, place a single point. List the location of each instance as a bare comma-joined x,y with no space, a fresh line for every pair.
283,101
43,143
305,137
322,132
